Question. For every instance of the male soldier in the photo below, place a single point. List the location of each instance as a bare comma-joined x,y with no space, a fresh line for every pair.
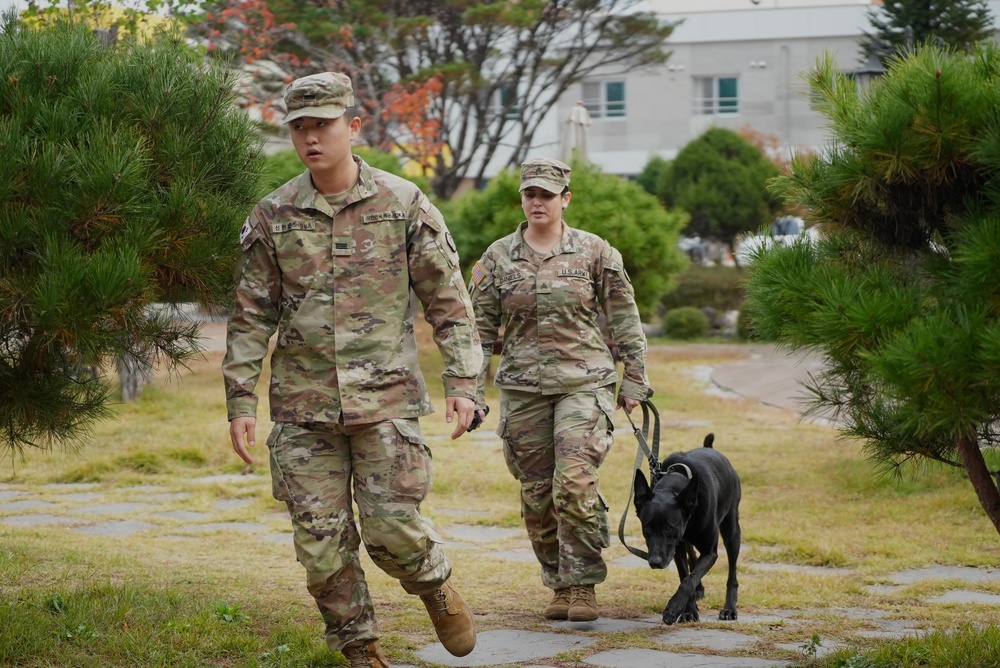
546,285
329,260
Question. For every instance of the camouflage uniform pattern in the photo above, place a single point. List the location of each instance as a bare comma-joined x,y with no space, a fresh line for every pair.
556,377
336,286
346,387
312,469
549,309
564,512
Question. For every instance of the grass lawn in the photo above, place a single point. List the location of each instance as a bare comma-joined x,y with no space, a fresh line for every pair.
180,598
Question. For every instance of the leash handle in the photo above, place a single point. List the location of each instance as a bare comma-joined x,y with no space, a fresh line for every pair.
651,454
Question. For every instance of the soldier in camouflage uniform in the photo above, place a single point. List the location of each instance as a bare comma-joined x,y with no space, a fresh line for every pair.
329,261
546,285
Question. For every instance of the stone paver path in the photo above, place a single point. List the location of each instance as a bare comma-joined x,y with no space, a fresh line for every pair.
746,643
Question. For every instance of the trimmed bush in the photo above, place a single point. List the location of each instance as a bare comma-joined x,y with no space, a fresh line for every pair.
686,322
720,288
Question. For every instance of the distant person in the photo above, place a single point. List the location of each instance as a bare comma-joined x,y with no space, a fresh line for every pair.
329,260
546,285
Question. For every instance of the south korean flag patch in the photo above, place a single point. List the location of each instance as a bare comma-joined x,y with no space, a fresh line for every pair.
247,235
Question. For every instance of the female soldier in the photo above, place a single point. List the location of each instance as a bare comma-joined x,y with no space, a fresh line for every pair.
546,285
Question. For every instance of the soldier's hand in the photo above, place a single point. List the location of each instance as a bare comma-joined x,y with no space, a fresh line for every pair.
460,411
478,417
628,403
242,432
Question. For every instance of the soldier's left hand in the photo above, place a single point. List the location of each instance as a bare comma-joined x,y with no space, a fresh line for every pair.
459,410
628,403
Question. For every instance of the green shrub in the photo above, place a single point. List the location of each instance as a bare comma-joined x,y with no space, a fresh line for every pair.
611,207
718,287
686,322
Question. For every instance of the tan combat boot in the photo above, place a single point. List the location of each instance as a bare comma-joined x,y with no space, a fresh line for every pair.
559,607
582,604
365,654
451,618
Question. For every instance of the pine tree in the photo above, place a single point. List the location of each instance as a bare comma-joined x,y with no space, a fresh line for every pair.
900,25
125,177
901,296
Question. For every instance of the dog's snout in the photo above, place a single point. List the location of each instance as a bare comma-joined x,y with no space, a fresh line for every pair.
656,562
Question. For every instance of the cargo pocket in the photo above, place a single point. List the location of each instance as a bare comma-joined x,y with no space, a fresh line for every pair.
509,457
602,436
411,469
279,489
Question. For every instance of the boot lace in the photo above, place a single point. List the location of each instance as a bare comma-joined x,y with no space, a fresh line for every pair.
579,593
438,601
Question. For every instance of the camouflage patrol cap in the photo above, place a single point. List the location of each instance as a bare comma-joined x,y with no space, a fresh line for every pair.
546,173
324,95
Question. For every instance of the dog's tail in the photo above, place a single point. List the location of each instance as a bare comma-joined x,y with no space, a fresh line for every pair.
709,440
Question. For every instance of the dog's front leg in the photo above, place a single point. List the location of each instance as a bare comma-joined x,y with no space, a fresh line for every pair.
679,608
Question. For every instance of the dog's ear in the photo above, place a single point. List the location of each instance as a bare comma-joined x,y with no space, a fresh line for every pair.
641,489
687,498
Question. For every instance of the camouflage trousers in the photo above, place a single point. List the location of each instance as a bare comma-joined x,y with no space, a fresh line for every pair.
316,469
553,445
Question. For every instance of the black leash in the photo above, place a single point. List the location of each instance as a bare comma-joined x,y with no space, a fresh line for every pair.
652,455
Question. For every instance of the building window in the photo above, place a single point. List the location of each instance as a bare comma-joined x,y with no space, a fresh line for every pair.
716,95
506,102
604,99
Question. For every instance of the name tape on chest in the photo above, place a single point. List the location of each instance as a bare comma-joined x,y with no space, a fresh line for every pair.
288,226
507,278
382,215
580,273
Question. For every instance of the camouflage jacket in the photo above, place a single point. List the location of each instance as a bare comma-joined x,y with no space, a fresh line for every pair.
336,286
549,311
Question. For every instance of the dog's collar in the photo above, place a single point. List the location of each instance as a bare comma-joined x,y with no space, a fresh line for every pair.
679,469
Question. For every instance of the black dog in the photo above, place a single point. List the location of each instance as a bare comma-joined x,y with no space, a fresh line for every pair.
695,498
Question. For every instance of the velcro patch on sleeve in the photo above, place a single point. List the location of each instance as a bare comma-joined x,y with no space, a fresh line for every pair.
478,273
245,231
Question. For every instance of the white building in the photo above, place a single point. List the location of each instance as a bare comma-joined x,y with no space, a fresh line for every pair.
735,63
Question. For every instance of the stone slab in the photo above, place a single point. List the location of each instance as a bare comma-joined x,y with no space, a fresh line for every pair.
500,647
38,520
609,625
712,639
10,494
116,528
964,573
966,596
231,504
67,486
649,658
24,504
183,515
821,650
113,508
